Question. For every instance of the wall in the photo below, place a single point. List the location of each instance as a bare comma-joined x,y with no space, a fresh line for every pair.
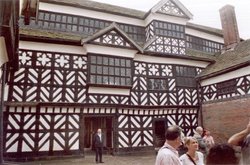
225,118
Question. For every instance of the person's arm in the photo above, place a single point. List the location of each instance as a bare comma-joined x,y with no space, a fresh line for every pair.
237,138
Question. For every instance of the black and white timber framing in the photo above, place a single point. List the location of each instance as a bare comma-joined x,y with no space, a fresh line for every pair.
132,76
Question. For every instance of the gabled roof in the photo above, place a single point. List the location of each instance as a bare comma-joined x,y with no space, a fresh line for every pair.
229,61
115,27
178,4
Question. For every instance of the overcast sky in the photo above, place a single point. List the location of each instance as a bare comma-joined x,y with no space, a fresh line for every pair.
205,12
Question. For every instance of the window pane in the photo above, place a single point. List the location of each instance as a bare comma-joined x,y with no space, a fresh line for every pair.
123,63
123,81
99,69
99,60
128,81
128,63
111,70
128,72
105,61
123,72
117,81
117,71
99,79
106,70
111,80
93,79
93,59
92,69
111,61
105,80
117,62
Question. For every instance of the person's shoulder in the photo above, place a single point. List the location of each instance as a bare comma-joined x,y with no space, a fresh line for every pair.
199,153
183,156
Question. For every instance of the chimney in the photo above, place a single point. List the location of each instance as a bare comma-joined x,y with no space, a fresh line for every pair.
229,27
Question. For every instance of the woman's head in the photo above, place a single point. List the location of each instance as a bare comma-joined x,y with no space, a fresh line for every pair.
191,143
222,154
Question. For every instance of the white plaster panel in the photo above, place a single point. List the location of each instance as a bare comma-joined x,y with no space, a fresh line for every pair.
3,51
52,47
104,90
227,76
165,18
90,13
110,50
204,35
162,60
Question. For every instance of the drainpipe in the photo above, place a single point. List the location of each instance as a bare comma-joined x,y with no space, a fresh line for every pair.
2,83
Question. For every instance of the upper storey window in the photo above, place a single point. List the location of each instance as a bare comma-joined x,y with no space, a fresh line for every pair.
70,23
203,44
109,70
185,76
169,29
226,87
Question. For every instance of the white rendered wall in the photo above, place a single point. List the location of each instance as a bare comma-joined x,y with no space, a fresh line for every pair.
90,48
162,60
165,18
51,47
106,90
3,51
204,35
227,76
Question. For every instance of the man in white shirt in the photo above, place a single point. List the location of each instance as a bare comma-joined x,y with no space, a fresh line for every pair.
168,154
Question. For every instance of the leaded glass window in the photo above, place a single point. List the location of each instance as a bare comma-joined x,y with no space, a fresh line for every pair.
109,70
185,76
157,84
203,44
226,87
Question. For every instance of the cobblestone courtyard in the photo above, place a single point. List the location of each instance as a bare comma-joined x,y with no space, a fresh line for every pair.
143,159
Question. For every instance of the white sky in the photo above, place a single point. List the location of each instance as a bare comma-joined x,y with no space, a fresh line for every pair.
205,12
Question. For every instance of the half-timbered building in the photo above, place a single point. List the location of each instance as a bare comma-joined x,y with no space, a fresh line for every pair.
85,65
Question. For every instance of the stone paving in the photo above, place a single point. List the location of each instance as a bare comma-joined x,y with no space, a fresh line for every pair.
142,159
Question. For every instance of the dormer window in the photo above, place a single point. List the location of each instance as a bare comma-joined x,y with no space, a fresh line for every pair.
109,70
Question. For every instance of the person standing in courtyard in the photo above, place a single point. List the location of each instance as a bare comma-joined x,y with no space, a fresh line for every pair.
192,156
209,140
168,154
242,139
98,143
198,135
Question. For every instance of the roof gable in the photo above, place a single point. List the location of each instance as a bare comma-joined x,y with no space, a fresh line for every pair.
172,7
114,36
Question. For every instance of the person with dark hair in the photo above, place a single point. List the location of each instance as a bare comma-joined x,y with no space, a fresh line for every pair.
242,139
192,156
168,154
221,154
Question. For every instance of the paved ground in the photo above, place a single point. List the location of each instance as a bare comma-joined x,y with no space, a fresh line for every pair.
142,159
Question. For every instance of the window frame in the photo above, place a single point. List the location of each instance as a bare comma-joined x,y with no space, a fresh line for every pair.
187,76
226,87
117,69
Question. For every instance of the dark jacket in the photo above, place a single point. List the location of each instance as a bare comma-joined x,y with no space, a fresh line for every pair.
97,141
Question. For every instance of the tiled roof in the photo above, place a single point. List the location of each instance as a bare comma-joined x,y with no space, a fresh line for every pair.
103,7
230,60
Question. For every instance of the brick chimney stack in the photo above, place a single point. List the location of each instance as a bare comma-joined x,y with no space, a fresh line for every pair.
229,27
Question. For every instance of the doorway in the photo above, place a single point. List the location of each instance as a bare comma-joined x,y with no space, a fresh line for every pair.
91,124
159,130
